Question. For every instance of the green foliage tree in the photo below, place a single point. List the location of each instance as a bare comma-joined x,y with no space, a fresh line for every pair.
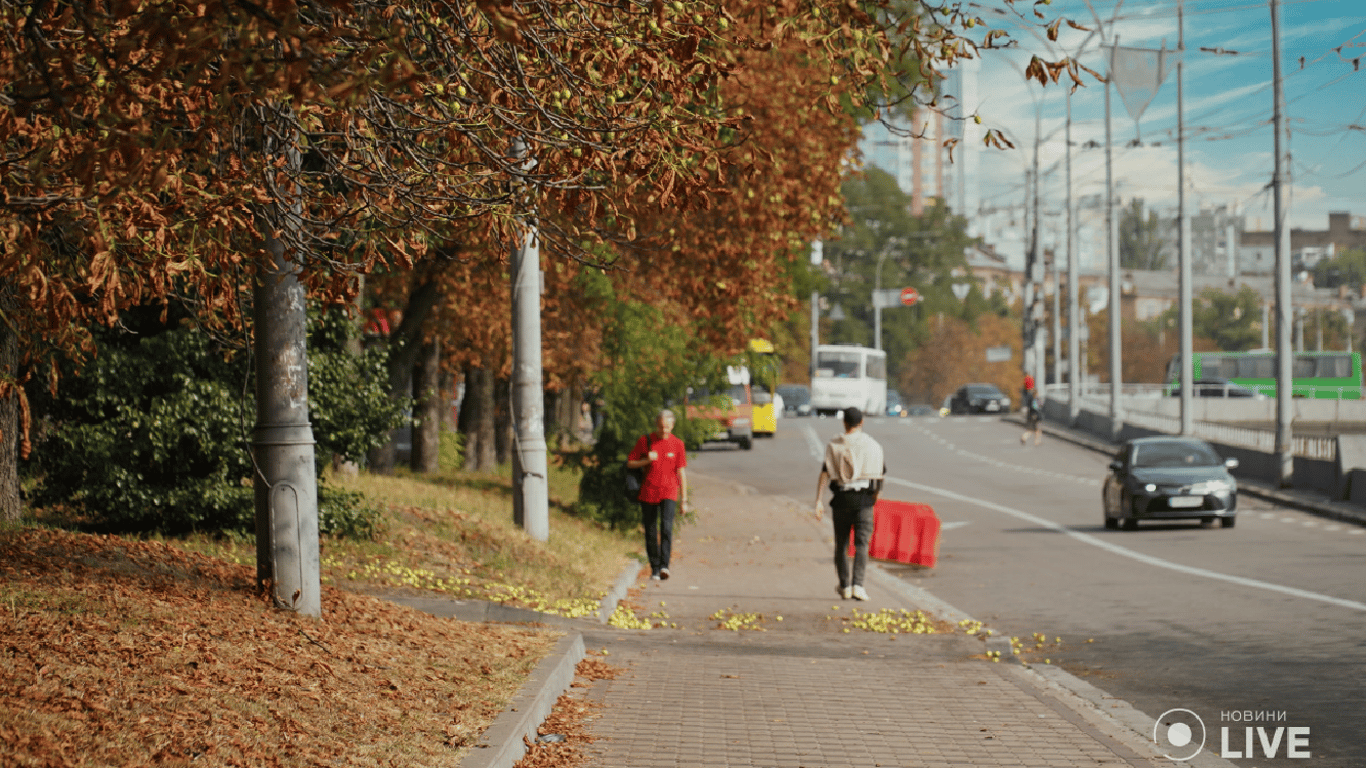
924,252
651,362
1347,268
153,434
1140,242
1223,321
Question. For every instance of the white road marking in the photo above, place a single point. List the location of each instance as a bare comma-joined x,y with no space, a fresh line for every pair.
1129,553
954,524
814,443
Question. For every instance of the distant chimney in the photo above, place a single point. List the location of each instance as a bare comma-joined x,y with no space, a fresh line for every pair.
1339,222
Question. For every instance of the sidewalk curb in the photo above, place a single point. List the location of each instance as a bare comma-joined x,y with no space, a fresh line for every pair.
502,745
618,593
1110,713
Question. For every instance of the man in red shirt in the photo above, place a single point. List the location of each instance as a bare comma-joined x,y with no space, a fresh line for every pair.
663,489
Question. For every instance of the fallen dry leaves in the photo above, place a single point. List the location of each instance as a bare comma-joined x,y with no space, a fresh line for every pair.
116,652
569,720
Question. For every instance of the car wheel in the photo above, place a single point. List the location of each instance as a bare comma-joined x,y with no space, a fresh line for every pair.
1129,523
1228,522
747,443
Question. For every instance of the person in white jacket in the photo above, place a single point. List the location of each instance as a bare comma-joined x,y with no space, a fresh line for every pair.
854,468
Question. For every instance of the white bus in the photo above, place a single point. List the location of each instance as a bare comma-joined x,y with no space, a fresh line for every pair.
849,375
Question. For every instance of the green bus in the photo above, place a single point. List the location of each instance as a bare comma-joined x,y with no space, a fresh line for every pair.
1324,375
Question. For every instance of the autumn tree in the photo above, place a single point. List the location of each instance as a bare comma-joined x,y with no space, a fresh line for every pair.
1140,238
955,353
158,149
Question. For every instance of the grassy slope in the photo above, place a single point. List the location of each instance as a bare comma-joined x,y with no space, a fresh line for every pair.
123,652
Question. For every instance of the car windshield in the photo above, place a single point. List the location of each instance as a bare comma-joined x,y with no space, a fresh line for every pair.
979,390
795,395
1175,453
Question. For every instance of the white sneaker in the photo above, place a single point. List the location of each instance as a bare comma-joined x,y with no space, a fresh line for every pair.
845,592
858,592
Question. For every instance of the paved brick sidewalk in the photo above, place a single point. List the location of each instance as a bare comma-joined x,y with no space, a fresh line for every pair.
803,692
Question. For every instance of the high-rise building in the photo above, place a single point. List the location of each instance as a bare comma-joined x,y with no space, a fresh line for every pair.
911,150
961,101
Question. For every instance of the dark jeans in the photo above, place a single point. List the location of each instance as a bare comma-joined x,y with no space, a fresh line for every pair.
659,532
852,512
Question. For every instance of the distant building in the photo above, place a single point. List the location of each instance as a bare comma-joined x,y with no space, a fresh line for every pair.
1257,250
1145,294
992,271
912,152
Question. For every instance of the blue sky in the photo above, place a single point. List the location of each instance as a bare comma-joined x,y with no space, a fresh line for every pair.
1228,107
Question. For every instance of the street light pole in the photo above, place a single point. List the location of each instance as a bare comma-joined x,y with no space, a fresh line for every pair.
1074,372
877,301
1112,253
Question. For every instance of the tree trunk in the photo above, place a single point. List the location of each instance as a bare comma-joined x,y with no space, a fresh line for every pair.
427,409
449,388
11,507
477,422
502,414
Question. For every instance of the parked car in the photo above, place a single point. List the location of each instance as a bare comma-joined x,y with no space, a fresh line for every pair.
920,410
796,399
979,398
1220,388
1169,478
894,407
733,416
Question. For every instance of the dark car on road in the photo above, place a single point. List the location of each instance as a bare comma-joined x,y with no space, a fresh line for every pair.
979,398
1169,478
796,399
894,406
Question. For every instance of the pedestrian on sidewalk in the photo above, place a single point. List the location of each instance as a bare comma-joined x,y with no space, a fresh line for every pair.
663,490
1033,418
854,468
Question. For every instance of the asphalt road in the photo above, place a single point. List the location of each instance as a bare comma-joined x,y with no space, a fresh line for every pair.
1269,616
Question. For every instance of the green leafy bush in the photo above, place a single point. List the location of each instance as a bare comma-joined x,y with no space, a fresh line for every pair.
154,433
651,367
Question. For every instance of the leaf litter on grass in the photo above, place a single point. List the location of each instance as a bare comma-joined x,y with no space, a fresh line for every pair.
122,652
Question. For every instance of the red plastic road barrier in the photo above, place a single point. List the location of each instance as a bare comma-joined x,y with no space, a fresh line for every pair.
904,531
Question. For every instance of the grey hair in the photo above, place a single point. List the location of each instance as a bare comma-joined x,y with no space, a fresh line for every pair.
667,414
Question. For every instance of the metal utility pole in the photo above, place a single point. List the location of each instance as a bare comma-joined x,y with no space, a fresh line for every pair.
877,300
817,258
1284,412
1074,371
286,483
1184,237
1112,252
1057,315
1027,295
1037,271
531,490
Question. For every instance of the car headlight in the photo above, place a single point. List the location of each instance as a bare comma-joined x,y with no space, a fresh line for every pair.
1210,486
1150,487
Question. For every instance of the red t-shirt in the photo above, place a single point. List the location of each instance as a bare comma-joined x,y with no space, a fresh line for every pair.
661,475
1028,382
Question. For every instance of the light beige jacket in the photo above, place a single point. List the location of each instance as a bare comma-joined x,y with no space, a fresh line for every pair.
854,458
